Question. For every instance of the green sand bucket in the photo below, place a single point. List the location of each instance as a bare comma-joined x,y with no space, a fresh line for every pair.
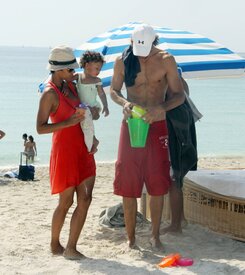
138,131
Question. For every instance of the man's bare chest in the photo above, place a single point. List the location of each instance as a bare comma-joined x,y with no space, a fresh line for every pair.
150,73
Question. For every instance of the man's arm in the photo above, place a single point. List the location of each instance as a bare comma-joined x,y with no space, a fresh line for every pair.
116,86
176,94
117,83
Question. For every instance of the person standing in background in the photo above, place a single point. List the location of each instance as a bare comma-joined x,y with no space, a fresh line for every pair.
25,138
183,154
30,148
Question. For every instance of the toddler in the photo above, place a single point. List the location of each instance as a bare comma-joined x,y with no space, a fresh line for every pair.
89,86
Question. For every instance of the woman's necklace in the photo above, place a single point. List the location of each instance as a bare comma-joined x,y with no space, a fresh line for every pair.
61,87
64,90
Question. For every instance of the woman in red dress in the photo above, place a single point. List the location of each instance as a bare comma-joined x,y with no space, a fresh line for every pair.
72,167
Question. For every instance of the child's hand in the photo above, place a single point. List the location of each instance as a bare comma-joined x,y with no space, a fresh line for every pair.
95,112
105,111
94,148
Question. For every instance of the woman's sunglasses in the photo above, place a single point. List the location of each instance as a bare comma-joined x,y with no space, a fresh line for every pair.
70,70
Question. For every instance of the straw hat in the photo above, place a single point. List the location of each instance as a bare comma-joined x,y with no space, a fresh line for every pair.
62,57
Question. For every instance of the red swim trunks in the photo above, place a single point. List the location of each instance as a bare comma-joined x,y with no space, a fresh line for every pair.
149,165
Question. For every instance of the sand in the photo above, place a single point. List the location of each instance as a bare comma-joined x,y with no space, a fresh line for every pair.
25,216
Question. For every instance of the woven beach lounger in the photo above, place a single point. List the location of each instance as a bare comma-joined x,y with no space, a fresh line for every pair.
220,213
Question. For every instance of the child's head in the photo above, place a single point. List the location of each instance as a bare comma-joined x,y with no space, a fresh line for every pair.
91,62
24,136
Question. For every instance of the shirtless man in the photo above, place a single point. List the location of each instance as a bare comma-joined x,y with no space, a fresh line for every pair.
147,78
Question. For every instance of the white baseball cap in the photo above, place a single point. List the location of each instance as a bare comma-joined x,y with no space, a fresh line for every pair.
143,37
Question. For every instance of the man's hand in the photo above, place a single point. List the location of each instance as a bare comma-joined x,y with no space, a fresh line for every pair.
127,109
153,114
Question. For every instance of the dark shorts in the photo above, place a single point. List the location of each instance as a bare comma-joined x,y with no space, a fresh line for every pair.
149,165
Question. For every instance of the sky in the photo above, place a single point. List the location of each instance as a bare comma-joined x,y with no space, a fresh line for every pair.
48,23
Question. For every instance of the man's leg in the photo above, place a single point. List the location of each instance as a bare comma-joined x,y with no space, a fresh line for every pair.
84,198
130,211
65,202
156,207
177,209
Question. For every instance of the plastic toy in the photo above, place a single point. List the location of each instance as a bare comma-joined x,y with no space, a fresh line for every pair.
184,262
175,260
137,112
169,260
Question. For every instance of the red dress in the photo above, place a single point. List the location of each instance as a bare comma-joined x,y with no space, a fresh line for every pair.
70,161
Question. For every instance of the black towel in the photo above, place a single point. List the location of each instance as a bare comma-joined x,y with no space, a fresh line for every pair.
132,66
182,141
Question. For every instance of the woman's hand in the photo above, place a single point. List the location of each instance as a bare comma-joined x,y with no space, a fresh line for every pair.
74,119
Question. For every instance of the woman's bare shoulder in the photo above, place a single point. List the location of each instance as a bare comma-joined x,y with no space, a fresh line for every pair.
49,100
49,93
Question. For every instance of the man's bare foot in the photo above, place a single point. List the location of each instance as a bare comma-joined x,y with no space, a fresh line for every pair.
156,244
57,249
73,254
132,245
171,229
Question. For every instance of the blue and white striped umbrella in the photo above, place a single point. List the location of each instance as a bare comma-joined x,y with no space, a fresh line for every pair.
198,56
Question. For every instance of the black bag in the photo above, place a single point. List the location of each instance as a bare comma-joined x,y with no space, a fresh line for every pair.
26,172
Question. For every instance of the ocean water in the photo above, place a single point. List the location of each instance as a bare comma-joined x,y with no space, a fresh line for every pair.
221,131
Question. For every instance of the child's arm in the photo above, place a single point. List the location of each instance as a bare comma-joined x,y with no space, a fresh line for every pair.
103,99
